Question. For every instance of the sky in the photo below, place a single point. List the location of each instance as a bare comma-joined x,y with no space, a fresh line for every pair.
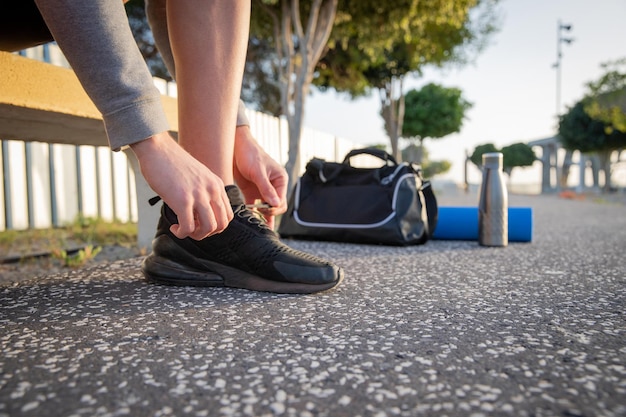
512,84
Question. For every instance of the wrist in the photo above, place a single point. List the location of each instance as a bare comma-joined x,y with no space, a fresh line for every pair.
150,144
244,140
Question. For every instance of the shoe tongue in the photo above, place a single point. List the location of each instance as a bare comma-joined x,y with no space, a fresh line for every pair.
234,195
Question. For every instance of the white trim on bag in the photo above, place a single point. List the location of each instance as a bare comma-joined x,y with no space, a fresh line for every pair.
349,225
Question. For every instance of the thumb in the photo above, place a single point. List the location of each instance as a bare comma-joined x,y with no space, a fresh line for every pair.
269,193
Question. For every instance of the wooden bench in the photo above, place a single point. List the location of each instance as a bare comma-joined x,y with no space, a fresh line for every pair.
46,103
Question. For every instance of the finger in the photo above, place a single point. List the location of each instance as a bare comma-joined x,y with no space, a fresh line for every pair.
270,220
227,206
267,189
223,213
186,224
205,224
274,211
252,199
279,187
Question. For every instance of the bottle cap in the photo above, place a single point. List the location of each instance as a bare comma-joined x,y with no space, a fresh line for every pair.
492,160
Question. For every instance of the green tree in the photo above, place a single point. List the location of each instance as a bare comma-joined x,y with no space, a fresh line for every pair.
477,155
578,130
375,45
433,112
606,99
517,155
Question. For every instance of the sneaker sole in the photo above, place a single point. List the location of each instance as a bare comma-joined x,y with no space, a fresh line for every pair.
161,270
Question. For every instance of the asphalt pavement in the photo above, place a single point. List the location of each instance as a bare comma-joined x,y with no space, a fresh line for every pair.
448,328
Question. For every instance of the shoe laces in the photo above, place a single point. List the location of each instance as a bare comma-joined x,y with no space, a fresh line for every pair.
246,214
251,216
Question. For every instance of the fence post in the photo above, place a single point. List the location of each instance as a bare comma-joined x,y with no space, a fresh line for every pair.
6,175
129,193
113,193
98,190
54,215
79,181
28,156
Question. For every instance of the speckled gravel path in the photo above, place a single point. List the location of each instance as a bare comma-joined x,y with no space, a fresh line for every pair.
448,328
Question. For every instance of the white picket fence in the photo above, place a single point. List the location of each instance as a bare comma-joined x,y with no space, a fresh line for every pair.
47,185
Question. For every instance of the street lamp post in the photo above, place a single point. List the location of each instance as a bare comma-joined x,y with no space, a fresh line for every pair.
559,41
561,175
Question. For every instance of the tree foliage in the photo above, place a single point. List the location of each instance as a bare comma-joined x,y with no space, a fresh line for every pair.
477,155
375,45
517,155
578,130
375,41
606,100
597,123
433,112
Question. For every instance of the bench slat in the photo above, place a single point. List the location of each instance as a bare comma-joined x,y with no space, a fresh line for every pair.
46,103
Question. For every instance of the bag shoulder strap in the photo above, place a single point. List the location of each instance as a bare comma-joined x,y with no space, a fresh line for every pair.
432,209
378,153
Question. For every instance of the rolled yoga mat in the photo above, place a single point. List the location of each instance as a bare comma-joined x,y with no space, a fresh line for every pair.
461,223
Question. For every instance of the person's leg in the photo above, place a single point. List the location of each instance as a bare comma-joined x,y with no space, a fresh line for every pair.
156,12
208,49
209,42
257,174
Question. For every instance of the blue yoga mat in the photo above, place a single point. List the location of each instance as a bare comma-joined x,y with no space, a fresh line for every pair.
461,223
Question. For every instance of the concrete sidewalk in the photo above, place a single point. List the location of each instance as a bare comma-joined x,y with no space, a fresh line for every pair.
447,328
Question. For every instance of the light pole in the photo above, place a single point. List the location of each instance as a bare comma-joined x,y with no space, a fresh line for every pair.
563,174
560,40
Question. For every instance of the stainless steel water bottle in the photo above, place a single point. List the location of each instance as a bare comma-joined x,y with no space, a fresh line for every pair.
493,204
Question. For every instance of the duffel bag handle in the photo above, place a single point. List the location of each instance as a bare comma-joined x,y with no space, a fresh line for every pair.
378,153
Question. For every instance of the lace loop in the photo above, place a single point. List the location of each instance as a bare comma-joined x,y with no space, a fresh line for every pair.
251,216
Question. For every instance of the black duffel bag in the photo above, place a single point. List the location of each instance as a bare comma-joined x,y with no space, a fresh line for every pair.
389,205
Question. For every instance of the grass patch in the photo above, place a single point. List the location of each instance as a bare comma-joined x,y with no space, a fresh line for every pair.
89,233
99,232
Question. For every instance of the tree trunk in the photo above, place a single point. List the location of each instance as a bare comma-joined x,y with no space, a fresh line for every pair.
595,170
605,166
392,110
567,163
420,157
299,49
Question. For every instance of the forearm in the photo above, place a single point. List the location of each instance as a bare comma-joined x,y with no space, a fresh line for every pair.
96,39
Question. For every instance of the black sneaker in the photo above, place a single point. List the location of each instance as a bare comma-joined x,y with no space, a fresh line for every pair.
247,254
